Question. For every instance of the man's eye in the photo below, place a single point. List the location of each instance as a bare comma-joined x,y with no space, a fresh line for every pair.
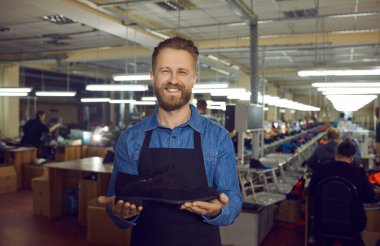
164,71
182,72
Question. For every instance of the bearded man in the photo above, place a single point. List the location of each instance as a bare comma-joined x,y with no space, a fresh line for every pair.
199,151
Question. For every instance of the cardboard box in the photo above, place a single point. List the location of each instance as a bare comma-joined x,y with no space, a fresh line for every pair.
32,171
373,220
377,149
8,179
87,191
289,210
40,187
250,228
370,238
101,229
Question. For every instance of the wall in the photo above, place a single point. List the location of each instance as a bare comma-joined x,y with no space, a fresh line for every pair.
9,106
327,112
65,110
365,116
271,113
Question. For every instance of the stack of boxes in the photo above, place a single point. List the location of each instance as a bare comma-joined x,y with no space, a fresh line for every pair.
8,179
40,187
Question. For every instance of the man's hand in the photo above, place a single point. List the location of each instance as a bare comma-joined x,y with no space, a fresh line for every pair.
211,208
121,209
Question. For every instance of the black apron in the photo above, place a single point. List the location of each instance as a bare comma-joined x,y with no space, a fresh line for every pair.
161,224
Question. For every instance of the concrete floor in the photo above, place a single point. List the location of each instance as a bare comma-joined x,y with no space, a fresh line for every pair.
19,227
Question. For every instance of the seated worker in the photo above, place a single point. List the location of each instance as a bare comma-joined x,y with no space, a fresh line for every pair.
34,130
340,122
343,168
325,153
202,109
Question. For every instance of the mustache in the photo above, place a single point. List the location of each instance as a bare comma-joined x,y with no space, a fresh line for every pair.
169,85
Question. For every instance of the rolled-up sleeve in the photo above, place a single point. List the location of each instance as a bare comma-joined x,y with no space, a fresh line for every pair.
122,163
226,181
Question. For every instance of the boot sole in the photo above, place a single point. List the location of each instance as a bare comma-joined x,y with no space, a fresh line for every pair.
138,201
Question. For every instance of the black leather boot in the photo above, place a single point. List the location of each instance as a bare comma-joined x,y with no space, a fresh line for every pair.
163,187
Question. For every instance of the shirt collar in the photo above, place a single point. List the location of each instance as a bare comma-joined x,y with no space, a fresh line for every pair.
195,121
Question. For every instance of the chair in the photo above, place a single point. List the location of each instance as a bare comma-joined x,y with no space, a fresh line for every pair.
337,213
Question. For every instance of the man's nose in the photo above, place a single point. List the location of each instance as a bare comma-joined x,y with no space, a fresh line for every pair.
173,78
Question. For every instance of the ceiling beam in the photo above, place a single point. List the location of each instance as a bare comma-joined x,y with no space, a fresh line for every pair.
243,11
296,39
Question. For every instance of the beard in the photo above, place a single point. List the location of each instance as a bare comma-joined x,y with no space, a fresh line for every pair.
170,103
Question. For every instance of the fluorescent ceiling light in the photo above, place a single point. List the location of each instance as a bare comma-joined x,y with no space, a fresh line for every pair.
218,107
355,31
350,103
349,91
225,62
347,72
219,70
227,92
236,24
15,89
161,35
213,57
55,93
148,99
346,84
236,67
118,87
122,101
244,96
215,103
286,103
352,15
210,86
93,99
13,94
144,103
58,19
131,77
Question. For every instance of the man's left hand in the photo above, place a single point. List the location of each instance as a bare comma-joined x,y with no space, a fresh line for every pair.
211,208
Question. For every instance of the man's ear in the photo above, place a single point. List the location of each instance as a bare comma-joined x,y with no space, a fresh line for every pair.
196,76
151,78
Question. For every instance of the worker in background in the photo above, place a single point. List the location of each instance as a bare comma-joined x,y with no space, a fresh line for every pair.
340,122
325,153
178,135
35,129
343,168
202,109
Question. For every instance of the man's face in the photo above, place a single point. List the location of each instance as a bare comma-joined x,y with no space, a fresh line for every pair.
42,118
173,78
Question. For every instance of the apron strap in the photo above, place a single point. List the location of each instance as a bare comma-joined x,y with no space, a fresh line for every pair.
147,138
197,141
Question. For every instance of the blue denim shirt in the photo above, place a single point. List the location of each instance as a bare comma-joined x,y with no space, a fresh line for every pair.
218,154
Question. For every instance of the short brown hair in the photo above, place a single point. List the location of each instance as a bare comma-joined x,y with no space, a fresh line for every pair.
178,43
346,148
202,104
332,133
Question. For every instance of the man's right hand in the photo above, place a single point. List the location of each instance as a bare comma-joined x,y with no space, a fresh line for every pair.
121,209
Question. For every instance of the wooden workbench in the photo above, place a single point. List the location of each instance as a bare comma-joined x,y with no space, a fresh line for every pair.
68,152
19,157
88,176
